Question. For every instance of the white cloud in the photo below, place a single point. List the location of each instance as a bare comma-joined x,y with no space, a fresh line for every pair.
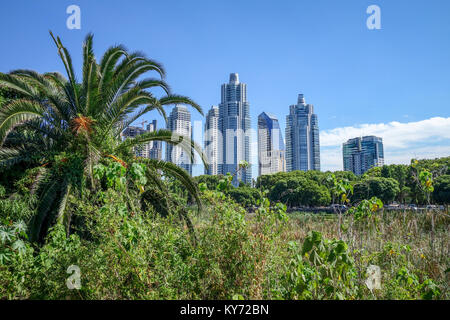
428,138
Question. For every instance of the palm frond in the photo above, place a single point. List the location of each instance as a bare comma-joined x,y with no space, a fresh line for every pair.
136,58
18,85
90,92
67,61
63,215
152,83
11,156
177,99
107,64
166,136
16,113
175,171
143,110
120,111
48,195
49,92
66,105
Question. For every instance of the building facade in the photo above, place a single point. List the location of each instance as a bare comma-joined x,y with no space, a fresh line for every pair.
234,128
211,140
271,158
155,147
152,149
361,154
179,122
302,137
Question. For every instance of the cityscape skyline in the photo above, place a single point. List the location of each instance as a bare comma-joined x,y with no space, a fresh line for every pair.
362,82
226,139
233,98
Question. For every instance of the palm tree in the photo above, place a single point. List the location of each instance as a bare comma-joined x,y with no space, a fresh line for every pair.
63,127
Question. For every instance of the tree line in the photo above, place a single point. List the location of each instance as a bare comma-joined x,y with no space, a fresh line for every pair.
390,183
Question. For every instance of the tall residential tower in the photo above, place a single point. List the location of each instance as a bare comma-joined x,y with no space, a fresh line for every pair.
211,140
270,145
361,154
179,122
302,137
234,127
155,151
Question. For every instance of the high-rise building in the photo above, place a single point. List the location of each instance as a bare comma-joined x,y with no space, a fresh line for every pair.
361,154
152,149
302,137
155,147
270,145
211,140
234,128
179,122
132,132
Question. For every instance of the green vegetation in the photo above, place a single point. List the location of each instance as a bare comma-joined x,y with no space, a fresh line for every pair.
441,193
72,193
124,254
65,132
390,183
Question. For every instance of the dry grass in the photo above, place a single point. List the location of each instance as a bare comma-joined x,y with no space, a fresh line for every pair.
390,238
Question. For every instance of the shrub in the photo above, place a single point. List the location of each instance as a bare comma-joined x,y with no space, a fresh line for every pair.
441,193
322,269
385,189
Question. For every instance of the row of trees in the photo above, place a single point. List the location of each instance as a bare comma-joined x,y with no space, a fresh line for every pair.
389,183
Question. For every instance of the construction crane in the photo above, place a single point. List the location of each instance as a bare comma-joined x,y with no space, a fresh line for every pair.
142,123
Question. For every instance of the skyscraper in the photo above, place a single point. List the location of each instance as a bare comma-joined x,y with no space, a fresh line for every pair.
152,149
211,140
155,147
270,145
234,127
302,137
179,122
361,154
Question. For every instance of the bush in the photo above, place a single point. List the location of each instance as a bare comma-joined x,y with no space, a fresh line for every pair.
441,193
385,189
322,269
300,192
245,196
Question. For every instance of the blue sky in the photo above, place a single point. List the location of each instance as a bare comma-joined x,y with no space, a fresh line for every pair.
359,80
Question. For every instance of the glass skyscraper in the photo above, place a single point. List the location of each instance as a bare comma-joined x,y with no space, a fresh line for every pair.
179,122
155,151
234,128
361,154
211,140
302,137
270,145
